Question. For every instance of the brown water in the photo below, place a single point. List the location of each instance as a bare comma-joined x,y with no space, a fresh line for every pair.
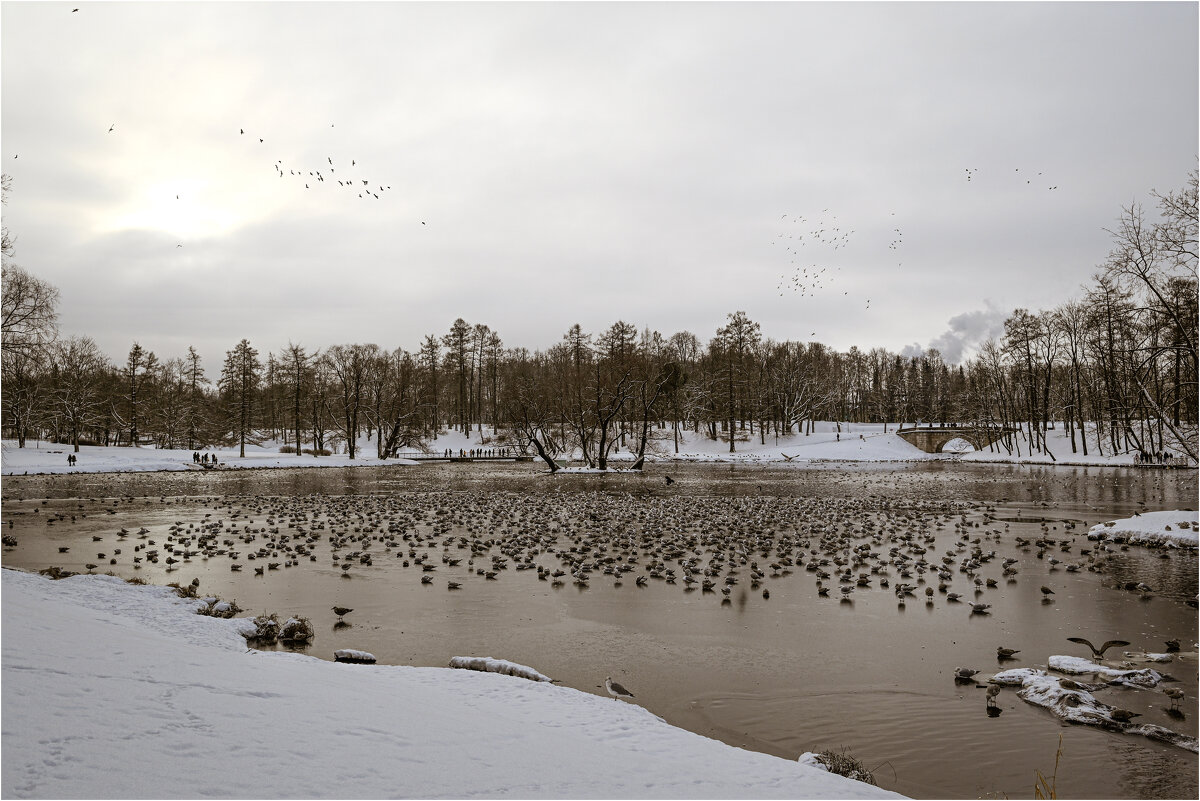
784,674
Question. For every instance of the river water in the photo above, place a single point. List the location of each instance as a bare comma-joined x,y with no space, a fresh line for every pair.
783,674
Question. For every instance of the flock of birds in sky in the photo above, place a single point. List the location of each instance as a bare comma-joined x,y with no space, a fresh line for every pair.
820,238
313,177
973,171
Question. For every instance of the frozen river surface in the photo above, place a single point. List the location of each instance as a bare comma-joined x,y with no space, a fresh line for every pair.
782,671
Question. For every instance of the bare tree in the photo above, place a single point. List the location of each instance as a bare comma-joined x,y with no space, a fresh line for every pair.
30,312
239,381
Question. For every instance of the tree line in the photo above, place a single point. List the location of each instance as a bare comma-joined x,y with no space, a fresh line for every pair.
1116,367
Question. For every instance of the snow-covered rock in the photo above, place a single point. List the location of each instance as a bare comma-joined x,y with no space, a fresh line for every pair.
353,655
1146,677
1078,705
1176,528
503,666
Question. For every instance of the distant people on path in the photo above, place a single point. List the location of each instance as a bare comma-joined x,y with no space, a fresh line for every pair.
71,459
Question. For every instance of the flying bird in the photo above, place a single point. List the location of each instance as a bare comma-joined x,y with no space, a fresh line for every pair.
1098,652
110,128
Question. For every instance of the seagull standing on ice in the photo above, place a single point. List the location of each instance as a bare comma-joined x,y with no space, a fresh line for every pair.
616,690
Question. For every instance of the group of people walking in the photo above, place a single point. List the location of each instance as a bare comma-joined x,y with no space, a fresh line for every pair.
478,453
1152,457
199,458
72,459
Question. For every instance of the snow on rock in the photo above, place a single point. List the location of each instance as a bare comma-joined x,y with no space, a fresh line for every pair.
1144,657
1146,677
352,655
1079,706
123,691
1176,529
503,666
813,760
1014,677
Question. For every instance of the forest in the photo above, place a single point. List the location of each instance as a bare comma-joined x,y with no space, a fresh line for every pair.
1116,366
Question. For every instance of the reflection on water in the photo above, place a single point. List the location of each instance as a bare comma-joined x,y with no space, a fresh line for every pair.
784,674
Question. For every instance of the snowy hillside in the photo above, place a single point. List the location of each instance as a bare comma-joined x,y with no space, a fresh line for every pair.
117,691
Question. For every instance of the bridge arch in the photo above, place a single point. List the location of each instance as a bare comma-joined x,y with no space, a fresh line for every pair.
932,439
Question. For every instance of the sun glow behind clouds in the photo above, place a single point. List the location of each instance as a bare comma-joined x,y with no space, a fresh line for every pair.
180,208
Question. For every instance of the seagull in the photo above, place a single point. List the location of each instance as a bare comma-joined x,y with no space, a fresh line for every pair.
1046,590
1098,652
616,690
341,611
110,128
1006,653
1175,694
992,691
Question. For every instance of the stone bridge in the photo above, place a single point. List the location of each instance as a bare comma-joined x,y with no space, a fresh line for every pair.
932,439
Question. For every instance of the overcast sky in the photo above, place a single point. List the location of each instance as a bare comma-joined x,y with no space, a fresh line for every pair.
538,165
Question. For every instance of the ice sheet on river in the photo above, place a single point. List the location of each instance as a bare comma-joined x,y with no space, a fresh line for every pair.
1079,705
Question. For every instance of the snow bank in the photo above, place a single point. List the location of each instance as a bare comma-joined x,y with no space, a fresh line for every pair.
1174,528
502,666
36,458
119,691
1079,706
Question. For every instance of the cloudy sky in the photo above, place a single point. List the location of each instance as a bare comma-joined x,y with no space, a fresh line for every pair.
865,174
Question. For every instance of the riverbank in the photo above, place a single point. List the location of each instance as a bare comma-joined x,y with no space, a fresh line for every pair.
853,443
122,691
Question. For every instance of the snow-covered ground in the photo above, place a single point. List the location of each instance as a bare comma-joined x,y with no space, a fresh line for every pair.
853,443
1177,528
119,691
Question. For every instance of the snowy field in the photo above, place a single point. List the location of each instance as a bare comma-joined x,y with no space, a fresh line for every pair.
119,691
854,443
1177,528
